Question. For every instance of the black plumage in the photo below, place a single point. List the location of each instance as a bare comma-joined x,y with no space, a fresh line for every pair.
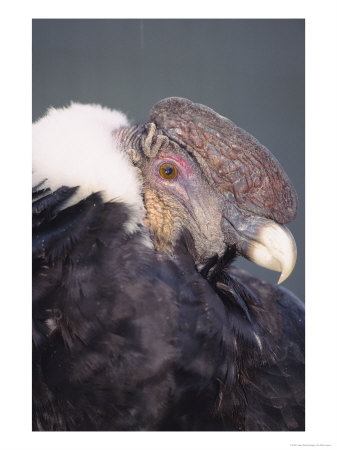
126,337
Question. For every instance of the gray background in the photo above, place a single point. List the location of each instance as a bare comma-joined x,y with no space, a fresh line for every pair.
251,71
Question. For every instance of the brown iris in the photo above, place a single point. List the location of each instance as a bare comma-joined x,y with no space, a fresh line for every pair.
168,171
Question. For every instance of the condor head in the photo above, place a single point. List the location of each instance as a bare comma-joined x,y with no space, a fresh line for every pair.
202,173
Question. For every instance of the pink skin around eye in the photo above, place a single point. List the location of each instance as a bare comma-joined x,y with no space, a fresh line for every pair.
181,184
181,162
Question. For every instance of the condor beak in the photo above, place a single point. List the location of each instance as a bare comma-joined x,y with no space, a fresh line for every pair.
267,244
273,248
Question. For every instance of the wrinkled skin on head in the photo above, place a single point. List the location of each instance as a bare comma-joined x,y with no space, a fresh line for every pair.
236,161
202,173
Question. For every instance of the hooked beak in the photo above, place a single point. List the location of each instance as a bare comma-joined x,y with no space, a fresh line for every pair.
274,248
265,243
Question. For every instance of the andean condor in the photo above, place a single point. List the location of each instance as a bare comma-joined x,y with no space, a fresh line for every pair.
139,320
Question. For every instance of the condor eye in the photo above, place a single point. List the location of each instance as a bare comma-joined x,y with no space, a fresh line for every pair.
168,171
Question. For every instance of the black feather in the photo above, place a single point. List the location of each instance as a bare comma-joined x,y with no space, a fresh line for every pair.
126,338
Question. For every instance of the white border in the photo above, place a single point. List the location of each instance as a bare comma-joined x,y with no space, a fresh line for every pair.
321,101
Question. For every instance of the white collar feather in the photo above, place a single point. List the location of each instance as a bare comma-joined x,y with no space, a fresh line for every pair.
74,146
